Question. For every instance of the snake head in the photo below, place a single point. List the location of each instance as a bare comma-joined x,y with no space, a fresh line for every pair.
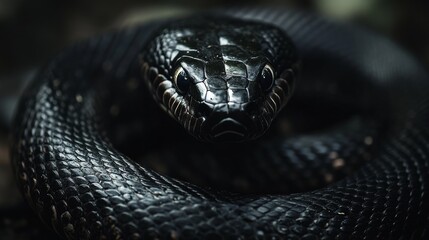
221,79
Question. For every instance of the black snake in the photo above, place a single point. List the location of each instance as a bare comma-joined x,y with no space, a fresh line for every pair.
354,162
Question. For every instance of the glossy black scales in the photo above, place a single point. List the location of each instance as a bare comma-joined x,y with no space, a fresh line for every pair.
222,79
350,160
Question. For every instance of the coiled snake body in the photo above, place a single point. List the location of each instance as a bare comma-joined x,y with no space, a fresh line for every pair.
224,78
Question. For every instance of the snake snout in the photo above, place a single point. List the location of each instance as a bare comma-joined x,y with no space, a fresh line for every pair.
228,129
232,125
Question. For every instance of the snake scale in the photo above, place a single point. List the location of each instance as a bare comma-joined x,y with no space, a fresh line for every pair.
360,171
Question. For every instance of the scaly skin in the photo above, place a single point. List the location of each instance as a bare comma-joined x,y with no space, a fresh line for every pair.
222,61
83,187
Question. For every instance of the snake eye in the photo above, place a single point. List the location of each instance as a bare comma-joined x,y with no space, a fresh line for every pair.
267,77
181,80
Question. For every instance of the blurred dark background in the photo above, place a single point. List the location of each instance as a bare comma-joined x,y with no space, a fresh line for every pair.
33,31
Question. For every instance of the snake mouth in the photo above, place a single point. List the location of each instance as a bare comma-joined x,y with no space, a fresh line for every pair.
229,130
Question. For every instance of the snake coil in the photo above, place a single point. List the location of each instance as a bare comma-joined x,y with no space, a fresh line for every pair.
85,188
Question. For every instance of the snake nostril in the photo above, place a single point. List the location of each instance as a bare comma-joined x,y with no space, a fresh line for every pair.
204,110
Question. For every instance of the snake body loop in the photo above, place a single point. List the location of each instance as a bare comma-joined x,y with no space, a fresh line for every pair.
350,162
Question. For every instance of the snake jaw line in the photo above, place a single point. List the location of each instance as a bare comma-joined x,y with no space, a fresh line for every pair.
217,83
80,184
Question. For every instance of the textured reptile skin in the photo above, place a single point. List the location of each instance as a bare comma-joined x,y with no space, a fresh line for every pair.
222,60
82,187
